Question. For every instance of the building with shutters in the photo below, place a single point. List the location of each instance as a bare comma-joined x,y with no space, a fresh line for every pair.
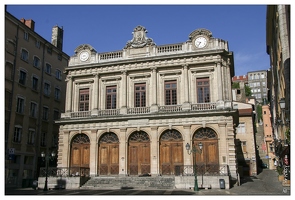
132,112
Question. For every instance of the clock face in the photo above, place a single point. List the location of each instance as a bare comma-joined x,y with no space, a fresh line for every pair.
84,55
200,42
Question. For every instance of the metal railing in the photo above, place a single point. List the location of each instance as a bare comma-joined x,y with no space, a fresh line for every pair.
205,170
65,171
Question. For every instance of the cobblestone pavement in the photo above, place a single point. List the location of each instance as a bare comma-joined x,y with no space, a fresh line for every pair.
266,183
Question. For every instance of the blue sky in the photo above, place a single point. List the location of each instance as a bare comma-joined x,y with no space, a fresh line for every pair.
109,27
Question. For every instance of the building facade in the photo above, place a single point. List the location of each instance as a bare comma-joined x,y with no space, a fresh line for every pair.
278,48
133,112
257,81
245,140
34,93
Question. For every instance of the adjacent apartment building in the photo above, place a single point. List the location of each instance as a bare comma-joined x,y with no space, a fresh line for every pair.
258,82
34,97
134,111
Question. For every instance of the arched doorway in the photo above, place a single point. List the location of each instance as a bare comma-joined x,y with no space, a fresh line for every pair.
80,153
208,160
139,153
108,154
171,152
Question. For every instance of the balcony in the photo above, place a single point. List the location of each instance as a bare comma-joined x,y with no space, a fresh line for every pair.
168,109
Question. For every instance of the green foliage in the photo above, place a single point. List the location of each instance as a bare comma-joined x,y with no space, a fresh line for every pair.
259,112
287,133
248,91
236,85
280,170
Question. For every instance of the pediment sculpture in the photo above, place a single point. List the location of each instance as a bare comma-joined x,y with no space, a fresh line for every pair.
139,39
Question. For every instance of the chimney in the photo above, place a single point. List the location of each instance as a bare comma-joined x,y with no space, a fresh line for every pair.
57,37
29,23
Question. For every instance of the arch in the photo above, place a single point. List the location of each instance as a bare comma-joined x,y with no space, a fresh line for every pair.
138,153
108,154
171,152
208,160
80,153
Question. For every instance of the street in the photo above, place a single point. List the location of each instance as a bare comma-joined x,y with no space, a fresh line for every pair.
265,183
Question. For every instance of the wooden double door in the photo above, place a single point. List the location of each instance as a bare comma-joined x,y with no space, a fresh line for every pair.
139,158
80,154
171,152
171,156
108,154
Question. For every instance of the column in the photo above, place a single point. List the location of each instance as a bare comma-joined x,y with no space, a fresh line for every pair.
93,153
153,91
69,94
95,93
123,103
154,151
187,139
123,152
219,81
185,83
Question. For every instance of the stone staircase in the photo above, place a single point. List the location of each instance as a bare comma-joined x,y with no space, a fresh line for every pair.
130,182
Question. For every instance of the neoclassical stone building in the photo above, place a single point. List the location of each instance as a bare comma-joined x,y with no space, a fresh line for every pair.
133,112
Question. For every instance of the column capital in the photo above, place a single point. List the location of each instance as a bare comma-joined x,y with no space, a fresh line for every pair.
185,66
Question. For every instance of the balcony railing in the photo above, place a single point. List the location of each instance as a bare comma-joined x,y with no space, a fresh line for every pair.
142,110
64,171
172,108
204,106
205,170
138,110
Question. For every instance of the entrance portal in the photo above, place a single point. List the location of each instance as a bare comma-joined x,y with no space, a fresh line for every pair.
139,153
171,152
108,154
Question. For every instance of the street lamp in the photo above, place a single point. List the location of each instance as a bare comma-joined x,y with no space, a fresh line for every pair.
194,150
47,158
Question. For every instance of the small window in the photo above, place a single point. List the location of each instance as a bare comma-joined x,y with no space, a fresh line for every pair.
140,95
170,93
45,113
37,44
17,134
31,136
25,55
111,97
58,74
22,77
35,83
56,115
84,100
48,68
241,128
57,93
33,110
20,105
59,56
36,62
43,139
26,36
8,70
46,88
49,50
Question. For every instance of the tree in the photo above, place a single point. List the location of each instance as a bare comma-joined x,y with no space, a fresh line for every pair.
248,91
236,85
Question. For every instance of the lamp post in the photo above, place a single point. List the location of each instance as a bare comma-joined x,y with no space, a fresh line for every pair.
194,150
47,157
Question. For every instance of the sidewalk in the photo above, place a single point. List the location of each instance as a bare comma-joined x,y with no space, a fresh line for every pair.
266,183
